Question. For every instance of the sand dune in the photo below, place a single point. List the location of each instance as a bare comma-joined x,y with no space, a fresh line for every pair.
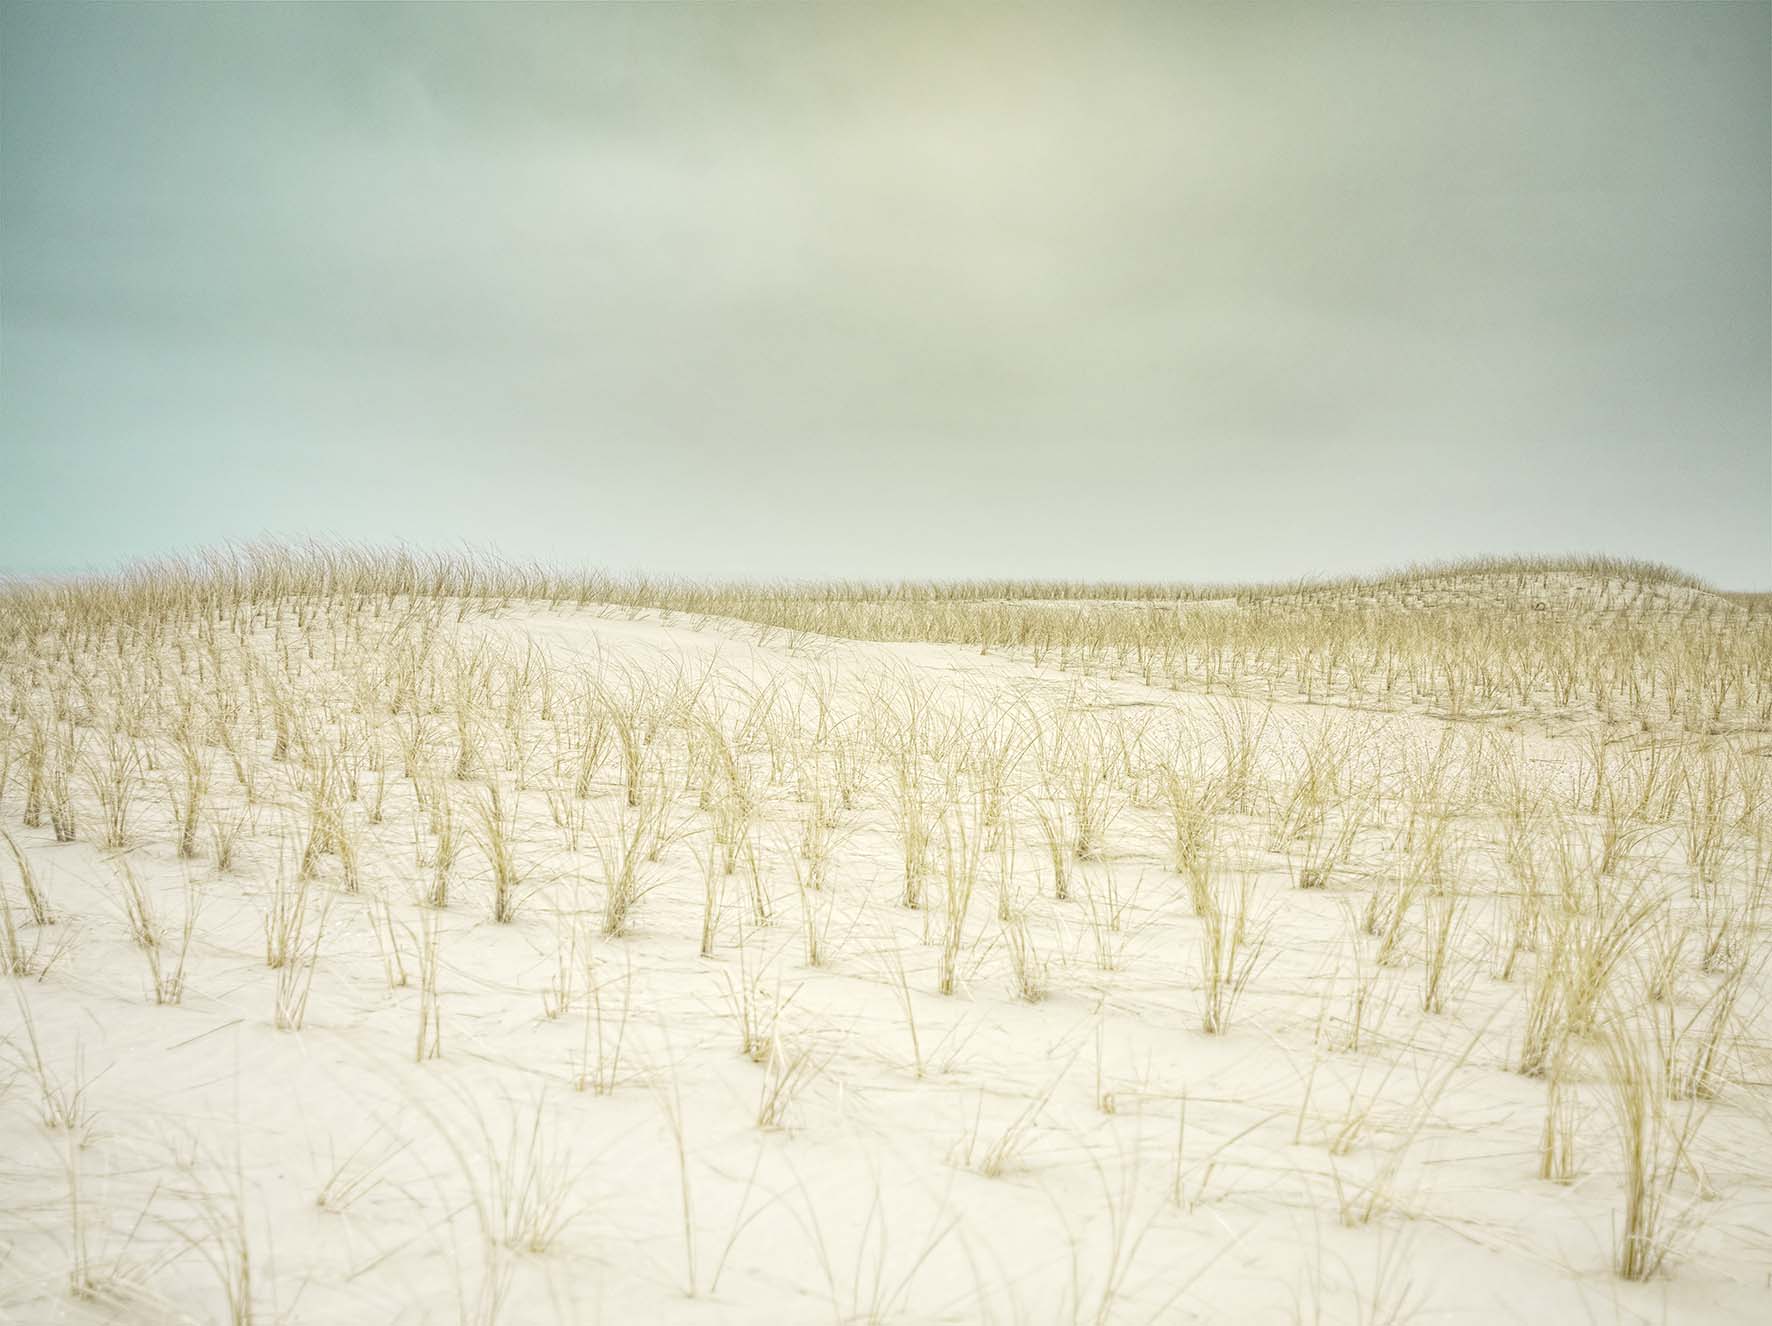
504,957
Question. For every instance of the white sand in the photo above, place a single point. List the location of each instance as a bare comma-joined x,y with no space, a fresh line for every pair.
206,1126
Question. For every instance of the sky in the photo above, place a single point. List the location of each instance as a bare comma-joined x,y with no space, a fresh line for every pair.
1139,291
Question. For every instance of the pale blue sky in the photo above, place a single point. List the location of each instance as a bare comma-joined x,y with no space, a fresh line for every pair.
1108,290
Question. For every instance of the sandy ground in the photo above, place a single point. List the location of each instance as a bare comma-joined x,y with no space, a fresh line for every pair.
1092,1156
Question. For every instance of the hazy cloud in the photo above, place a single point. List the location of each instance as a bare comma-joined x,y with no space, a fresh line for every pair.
1140,290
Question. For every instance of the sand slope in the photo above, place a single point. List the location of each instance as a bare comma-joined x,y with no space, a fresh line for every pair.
778,1141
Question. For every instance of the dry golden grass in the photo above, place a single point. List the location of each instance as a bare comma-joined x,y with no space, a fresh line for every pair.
1337,865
